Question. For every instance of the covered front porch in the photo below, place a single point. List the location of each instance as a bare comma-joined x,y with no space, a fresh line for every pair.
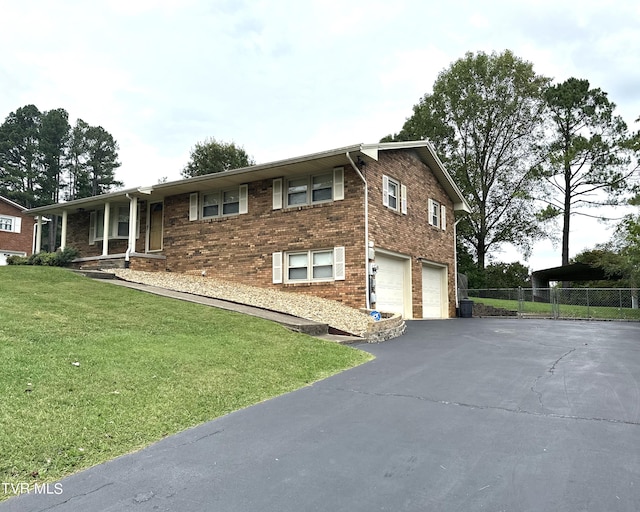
118,230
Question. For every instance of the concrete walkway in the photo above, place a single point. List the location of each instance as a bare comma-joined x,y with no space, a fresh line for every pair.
293,323
456,415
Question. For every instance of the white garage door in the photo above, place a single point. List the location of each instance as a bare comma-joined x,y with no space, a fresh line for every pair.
5,254
434,297
392,282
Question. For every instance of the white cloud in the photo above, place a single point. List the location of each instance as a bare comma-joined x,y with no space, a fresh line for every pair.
285,78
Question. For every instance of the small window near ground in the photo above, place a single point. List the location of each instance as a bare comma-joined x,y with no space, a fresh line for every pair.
298,266
310,266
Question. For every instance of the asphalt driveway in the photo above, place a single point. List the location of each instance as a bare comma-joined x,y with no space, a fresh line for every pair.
457,415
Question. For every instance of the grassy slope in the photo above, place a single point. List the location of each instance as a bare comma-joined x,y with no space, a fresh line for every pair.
148,367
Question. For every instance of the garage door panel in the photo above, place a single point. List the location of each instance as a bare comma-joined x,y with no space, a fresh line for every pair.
433,293
391,284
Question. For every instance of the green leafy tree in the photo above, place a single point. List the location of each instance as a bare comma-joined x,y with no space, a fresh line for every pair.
467,265
43,160
20,157
507,275
101,161
586,164
53,137
77,181
620,257
483,117
212,156
627,240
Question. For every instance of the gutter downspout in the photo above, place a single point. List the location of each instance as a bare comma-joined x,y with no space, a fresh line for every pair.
366,228
455,260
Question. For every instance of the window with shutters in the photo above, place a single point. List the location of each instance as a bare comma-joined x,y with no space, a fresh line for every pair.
434,213
437,214
309,190
309,266
394,195
6,223
219,203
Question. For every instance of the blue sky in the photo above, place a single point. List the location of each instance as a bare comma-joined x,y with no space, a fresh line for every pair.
288,78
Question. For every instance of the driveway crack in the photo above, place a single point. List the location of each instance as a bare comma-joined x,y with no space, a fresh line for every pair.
553,366
517,410
551,370
80,495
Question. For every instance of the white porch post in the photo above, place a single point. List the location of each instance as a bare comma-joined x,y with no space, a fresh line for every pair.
63,233
39,235
133,222
105,230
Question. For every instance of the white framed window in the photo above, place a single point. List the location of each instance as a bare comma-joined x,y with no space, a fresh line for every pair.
307,190
122,222
309,266
310,190
6,223
297,191
210,205
390,192
394,195
118,224
231,202
437,214
218,203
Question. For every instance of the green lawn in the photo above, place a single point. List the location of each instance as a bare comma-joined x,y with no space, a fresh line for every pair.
566,310
91,371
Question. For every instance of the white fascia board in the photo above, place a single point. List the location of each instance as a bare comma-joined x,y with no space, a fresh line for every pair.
85,201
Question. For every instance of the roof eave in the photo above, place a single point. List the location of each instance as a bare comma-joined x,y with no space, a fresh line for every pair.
15,205
431,158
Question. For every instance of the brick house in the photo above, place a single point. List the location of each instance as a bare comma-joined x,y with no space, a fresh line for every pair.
370,225
16,230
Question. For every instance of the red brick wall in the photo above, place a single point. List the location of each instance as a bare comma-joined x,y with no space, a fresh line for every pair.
78,235
18,242
240,247
411,234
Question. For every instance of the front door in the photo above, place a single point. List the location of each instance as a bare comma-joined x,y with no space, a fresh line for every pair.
155,227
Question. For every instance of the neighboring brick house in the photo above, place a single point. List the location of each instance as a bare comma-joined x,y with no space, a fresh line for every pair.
16,230
370,225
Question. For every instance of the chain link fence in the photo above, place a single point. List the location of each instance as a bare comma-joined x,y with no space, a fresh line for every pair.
588,303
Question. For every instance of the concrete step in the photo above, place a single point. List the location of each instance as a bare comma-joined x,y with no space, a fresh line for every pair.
94,274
